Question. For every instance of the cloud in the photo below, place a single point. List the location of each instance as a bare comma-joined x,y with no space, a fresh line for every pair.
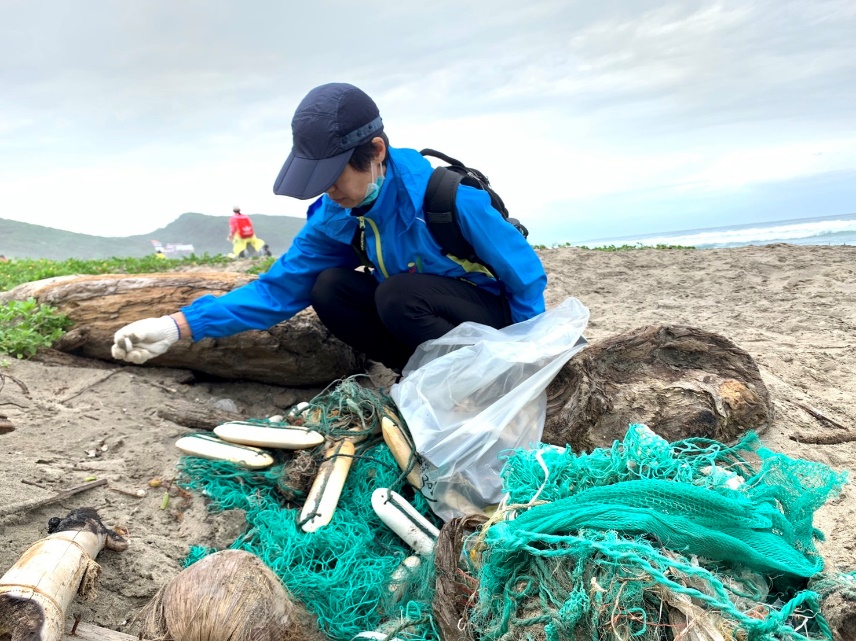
159,107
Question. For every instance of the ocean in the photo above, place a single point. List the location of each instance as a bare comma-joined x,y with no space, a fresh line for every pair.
827,230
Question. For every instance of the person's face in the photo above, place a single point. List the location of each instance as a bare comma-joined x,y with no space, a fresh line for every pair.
349,190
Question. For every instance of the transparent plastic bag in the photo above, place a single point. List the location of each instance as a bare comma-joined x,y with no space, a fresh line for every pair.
477,391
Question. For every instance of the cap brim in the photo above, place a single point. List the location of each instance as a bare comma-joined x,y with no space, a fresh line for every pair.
306,178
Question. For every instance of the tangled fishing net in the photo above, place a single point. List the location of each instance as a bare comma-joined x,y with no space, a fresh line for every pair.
646,540
649,540
342,571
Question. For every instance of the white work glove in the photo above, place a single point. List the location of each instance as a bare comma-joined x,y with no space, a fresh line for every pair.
144,339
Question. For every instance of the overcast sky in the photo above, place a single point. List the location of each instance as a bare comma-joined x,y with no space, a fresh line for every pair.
592,119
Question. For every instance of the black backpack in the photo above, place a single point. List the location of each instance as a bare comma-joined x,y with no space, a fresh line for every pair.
439,205
441,214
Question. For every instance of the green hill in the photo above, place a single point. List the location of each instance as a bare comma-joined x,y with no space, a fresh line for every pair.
207,234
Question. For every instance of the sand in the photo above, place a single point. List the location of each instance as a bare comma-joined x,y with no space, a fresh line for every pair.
792,308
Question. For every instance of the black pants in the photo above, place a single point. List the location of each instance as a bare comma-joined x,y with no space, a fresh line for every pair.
388,320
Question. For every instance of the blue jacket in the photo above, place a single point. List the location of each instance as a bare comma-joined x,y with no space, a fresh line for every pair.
397,241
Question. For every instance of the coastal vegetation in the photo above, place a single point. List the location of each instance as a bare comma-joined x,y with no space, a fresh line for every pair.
27,326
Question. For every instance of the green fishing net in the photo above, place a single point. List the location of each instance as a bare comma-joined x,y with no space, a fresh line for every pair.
645,540
342,571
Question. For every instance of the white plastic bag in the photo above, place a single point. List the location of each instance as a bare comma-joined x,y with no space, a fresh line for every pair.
477,391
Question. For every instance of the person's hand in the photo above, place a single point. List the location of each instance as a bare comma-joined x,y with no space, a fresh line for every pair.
144,339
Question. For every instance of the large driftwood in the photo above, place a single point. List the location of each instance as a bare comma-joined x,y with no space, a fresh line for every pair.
298,352
679,381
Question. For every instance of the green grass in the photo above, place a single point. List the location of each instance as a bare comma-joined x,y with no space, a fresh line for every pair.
26,326
19,271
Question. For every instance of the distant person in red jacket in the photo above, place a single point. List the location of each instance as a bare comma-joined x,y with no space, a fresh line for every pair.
242,234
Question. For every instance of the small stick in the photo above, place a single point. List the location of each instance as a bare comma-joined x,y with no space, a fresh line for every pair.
31,504
815,347
33,483
135,493
15,404
820,416
832,438
90,386
160,386
23,387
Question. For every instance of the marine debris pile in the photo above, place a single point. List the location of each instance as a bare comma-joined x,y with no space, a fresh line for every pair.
645,540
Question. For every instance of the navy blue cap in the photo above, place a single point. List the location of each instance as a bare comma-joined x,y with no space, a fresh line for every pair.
329,122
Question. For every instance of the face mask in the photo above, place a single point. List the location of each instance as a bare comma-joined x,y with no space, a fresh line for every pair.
372,189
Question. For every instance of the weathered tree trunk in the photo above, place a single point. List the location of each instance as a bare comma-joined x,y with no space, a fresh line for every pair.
36,592
299,352
679,381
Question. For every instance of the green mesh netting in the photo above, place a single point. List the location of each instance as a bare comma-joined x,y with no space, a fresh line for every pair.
342,571
638,541
607,543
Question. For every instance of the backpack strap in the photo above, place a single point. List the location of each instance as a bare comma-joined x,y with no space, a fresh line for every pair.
446,159
358,244
441,216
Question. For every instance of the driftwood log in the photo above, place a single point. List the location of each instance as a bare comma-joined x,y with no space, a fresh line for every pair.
297,353
679,381
36,592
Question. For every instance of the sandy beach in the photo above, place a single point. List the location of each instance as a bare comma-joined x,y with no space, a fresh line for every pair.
792,308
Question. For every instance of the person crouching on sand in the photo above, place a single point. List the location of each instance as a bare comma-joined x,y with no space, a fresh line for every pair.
367,188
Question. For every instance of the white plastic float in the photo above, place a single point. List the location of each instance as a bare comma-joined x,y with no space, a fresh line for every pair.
211,447
403,519
287,437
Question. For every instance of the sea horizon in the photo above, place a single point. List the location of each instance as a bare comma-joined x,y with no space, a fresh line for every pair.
823,230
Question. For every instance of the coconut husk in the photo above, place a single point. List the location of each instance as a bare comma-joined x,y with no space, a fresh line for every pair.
229,596
454,587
